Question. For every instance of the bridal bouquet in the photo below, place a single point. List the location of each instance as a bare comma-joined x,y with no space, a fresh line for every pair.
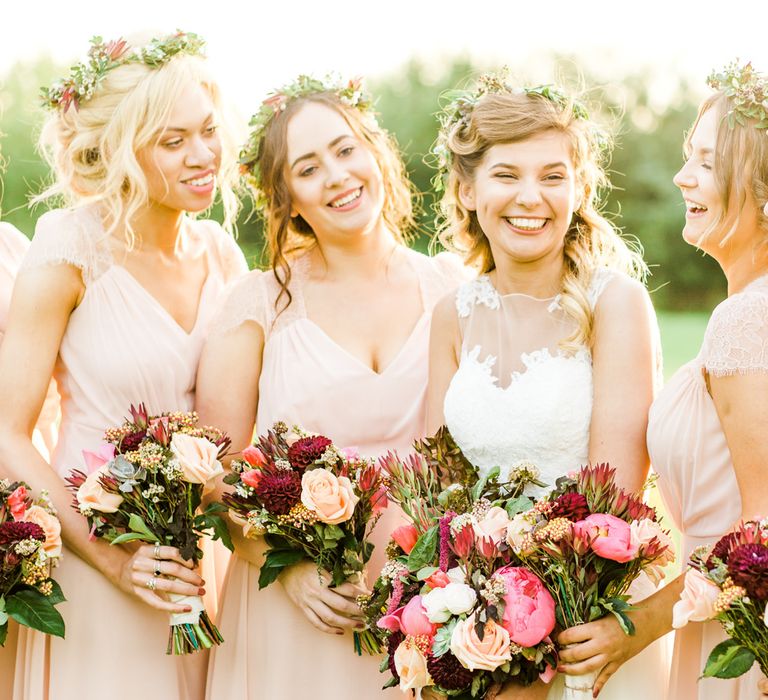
588,540
453,609
30,546
309,500
729,583
146,483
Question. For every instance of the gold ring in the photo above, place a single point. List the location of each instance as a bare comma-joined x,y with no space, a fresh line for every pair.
152,584
157,550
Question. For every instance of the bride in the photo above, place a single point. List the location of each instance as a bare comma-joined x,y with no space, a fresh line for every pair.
551,355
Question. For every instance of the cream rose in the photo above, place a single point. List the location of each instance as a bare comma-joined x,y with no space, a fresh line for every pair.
51,527
517,530
453,599
332,498
487,655
198,459
492,525
92,495
411,666
697,601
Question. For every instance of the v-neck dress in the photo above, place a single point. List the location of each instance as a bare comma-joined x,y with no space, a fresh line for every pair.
309,380
120,346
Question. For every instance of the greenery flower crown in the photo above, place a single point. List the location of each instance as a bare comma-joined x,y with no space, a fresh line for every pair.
747,90
85,77
461,103
349,92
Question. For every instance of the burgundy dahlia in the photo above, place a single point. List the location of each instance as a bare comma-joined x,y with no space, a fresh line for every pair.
748,566
392,643
448,673
13,531
572,506
279,490
131,442
723,548
307,450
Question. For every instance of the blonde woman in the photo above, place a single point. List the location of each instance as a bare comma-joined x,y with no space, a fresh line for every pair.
551,354
114,298
333,339
706,432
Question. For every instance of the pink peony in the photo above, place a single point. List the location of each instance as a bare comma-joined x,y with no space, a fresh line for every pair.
17,503
608,536
697,601
529,611
410,619
406,536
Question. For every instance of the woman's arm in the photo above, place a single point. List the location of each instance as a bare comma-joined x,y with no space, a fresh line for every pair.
624,358
444,349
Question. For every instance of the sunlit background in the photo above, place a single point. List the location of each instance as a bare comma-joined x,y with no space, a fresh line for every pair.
644,63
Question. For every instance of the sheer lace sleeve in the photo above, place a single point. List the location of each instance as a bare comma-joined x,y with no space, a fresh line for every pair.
439,275
247,300
228,254
73,237
736,341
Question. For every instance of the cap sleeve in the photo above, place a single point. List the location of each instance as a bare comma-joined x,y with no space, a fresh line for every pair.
247,300
230,258
72,237
442,274
736,340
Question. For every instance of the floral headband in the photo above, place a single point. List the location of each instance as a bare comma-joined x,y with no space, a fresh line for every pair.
349,92
747,90
461,103
85,77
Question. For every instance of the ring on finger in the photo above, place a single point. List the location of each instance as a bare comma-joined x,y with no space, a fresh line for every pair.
152,584
157,571
157,550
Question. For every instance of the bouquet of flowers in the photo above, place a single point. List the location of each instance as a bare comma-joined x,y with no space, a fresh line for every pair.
729,583
309,500
453,609
588,540
30,546
146,483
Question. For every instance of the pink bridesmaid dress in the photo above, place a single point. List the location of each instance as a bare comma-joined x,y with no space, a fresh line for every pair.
696,478
307,379
120,347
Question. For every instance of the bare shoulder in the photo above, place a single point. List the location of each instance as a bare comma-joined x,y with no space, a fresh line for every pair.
444,314
622,296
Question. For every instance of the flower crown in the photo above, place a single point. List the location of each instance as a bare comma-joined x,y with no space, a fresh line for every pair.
85,77
747,90
349,92
461,103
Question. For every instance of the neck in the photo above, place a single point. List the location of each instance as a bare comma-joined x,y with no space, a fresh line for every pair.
538,278
158,228
358,257
741,267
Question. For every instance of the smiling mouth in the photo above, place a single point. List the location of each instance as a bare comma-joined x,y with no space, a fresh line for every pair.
200,181
346,199
526,223
694,207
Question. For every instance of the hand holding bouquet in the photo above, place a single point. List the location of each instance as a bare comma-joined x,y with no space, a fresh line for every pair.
729,583
451,607
309,500
30,546
146,483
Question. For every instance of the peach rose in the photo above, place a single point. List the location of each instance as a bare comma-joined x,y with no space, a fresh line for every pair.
493,525
411,666
643,532
697,601
332,498
51,527
92,495
198,458
487,655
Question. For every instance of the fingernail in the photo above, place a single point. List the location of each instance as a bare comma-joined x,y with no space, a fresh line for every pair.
187,609
201,591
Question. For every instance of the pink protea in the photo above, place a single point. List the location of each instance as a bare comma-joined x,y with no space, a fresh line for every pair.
529,610
463,541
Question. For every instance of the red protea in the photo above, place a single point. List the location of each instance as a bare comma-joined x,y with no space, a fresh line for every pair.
447,672
748,566
12,532
279,490
307,450
131,441
572,506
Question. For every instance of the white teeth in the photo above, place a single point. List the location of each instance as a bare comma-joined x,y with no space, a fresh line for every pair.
202,181
694,207
527,224
346,200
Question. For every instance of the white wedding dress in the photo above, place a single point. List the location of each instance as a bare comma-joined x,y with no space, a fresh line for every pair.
517,395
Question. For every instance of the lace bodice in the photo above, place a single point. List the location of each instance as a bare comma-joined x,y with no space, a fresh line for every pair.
516,394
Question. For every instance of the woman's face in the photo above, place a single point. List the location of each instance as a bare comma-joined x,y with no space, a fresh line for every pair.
334,181
524,195
181,165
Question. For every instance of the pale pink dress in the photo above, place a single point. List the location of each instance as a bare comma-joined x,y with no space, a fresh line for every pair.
309,380
696,478
120,347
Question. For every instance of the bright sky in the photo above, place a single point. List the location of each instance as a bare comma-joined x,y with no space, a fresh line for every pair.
257,45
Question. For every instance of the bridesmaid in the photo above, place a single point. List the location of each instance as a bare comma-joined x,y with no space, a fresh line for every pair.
706,433
114,298
335,340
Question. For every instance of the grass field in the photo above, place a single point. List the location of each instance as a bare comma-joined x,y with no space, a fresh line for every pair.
681,334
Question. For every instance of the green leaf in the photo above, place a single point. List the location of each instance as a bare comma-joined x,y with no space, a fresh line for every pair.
136,524
477,489
32,609
517,505
210,520
57,595
128,537
729,659
275,562
424,551
3,630
425,572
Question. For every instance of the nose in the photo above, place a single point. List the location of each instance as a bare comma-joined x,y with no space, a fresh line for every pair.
528,194
685,177
336,173
200,154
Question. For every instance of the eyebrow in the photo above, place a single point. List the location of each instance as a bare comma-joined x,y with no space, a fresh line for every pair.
182,130
313,154
549,166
